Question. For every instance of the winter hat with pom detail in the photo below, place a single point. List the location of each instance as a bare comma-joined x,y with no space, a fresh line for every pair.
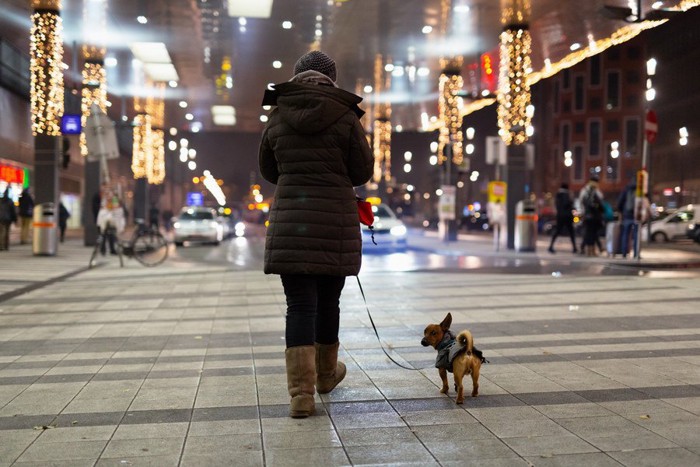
317,61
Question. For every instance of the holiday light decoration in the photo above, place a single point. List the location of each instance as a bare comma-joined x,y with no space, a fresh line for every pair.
513,85
93,51
382,149
156,175
449,104
142,156
46,67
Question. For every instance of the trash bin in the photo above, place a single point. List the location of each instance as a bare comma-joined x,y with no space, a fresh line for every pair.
45,231
525,226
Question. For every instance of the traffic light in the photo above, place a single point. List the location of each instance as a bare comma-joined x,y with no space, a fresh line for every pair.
65,154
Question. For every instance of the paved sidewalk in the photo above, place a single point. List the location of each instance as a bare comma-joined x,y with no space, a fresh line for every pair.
183,364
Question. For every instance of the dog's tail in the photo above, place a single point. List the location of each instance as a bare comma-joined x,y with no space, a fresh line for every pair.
465,340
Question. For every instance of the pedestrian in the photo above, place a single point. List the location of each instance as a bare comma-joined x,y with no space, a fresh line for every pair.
591,204
565,217
111,222
63,216
315,150
8,216
167,219
26,212
153,215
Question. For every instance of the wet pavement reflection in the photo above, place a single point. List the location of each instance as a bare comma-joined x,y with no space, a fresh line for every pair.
246,253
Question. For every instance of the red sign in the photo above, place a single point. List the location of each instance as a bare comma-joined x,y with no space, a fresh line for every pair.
651,127
11,174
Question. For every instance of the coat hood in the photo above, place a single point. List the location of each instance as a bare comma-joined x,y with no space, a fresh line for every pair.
310,108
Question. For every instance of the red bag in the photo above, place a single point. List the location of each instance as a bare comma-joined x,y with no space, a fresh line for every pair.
364,211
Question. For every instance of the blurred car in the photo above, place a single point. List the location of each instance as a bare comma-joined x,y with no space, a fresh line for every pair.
478,220
693,231
197,224
673,226
389,231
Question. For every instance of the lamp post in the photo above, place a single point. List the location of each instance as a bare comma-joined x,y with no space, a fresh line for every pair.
683,141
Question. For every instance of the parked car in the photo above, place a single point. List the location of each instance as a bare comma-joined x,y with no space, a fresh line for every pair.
389,231
693,231
673,226
197,224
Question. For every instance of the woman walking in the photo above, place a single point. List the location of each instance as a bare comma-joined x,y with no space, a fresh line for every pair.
314,149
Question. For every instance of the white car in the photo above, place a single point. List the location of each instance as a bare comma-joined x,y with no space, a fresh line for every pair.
389,231
197,224
674,225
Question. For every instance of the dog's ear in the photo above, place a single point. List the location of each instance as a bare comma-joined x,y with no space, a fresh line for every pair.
447,322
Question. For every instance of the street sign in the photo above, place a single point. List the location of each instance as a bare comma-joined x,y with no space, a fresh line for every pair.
447,204
651,126
497,192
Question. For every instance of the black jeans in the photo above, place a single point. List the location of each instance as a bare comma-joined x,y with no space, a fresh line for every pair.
313,308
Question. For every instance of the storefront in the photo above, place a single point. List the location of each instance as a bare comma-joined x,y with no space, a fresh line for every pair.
14,176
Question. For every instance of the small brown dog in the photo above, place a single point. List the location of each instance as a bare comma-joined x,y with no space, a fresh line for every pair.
455,354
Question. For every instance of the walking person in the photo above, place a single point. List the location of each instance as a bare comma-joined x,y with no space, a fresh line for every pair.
8,216
315,150
26,212
591,203
565,217
63,216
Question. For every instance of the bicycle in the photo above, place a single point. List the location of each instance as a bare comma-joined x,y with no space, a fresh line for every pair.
147,245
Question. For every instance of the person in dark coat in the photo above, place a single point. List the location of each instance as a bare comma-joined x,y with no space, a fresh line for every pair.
565,217
8,216
315,150
629,226
63,216
26,212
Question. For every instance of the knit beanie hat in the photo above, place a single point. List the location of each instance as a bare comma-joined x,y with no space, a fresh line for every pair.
317,61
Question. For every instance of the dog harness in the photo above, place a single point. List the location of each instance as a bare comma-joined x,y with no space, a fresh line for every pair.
448,349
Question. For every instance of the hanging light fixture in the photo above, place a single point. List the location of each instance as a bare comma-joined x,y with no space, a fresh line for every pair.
46,67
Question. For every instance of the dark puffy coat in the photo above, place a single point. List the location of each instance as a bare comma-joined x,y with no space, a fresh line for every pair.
315,150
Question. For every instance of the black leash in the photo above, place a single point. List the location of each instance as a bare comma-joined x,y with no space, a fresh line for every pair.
376,333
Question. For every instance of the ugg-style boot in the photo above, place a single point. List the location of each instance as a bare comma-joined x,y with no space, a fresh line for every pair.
301,376
329,371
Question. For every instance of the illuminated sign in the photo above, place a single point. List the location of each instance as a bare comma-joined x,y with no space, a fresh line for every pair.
195,198
71,125
11,174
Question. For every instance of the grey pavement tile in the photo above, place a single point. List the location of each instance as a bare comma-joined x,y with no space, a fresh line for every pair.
450,433
691,404
77,433
227,427
367,407
285,424
390,453
596,459
226,444
376,420
438,417
301,439
112,404
470,449
507,428
624,441
58,463
376,436
654,457
47,452
140,461
586,409
88,419
14,442
243,458
685,436
496,462
157,416
228,413
612,425
155,430
19,422
549,445
120,448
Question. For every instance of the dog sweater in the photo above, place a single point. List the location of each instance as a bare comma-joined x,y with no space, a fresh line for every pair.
448,349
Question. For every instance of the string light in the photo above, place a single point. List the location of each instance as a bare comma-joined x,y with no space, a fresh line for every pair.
46,56
449,104
156,176
514,87
94,92
382,149
142,157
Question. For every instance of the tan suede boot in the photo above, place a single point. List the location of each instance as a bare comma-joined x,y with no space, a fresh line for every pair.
301,376
329,371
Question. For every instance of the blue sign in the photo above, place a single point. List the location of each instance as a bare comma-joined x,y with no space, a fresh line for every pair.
71,125
195,198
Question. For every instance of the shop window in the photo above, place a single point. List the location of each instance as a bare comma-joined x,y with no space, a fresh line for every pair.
595,69
594,138
613,90
566,136
578,162
566,79
631,136
579,93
